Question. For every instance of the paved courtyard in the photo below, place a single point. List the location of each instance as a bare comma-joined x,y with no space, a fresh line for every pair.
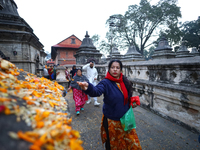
154,132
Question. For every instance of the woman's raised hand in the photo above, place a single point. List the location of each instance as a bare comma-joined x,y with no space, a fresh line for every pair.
83,85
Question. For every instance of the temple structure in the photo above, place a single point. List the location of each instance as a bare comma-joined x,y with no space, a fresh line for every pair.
115,54
63,52
87,51
18,43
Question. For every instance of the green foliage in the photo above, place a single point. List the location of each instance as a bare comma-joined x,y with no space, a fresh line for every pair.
102,45
191,33
141,21
95,39
148,54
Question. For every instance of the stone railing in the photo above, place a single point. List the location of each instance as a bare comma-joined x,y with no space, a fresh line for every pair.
169,87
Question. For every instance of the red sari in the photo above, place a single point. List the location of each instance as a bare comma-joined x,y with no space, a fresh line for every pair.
80,98
50,71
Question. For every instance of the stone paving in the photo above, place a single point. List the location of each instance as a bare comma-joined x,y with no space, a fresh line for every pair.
154,132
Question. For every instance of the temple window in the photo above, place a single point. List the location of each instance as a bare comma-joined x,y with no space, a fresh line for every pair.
73,41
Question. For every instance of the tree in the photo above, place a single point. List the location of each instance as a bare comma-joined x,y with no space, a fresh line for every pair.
102,45
191,33
141,21
95,39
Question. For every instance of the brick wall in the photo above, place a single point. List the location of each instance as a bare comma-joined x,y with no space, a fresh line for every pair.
66,56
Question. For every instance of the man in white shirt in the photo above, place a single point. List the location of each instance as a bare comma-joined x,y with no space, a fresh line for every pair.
91,74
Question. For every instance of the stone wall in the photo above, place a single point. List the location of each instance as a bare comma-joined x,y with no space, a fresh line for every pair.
25,57
169,87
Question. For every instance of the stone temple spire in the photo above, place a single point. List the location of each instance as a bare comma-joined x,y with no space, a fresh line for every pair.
163,51
132,54
183,51
195,52
115,53
8,7
87,43
87,51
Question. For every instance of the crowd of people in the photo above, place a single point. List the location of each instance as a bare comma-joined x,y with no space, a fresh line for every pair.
50,71
117,93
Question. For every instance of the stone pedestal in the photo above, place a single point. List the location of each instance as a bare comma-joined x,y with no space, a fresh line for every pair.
61,77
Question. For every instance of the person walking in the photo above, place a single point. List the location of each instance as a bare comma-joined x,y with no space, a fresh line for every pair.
54,72
117,91
78,95
50,71
91,74
73,71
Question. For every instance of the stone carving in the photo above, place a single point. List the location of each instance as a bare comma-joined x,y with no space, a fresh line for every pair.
37,57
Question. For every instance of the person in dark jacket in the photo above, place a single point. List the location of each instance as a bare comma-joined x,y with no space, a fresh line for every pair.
117,92
73,71
54,72
78,95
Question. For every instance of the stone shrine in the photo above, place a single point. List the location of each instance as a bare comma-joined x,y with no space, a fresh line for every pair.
195,52
18,43
163,50
87,51
115,54
183,51
132,55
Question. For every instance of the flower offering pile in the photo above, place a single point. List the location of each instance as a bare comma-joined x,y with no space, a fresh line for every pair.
38,103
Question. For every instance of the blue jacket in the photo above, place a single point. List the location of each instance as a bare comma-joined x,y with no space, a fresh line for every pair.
113,107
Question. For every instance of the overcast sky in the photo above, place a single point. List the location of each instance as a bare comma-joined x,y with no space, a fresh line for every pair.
55,20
